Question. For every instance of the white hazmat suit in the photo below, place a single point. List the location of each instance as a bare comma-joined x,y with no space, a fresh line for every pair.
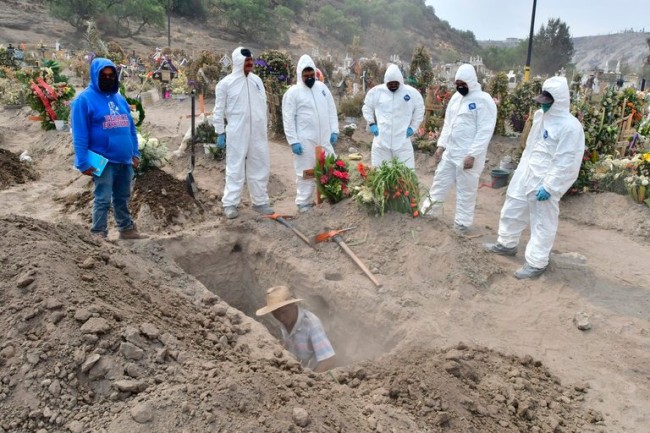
393,113
467,130
241,101
309,118
552,158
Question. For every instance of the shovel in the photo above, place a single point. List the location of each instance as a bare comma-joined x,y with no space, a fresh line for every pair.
281,219
192,189
334,235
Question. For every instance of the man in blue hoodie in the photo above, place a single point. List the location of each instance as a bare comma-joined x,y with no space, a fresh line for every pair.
102,123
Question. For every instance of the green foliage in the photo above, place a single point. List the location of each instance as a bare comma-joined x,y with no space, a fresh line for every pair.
336,23
552,50
351,106
262,20
205,71
552,47
504,58
498,88
521,102
132,16
421,71
77,12
275,69
390,187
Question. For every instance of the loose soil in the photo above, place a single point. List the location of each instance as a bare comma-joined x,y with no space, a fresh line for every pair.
160,335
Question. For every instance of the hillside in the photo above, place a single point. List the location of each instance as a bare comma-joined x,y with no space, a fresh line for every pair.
29,21
630,49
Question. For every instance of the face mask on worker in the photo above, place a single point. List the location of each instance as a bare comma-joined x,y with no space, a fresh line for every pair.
546,107
309,82
106,82
463,90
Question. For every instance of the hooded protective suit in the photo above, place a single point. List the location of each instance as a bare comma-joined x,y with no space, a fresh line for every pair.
552,158
393,113
467,130
309,118
241,100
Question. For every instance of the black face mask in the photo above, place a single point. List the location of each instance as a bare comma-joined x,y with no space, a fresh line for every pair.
309,82
462,90
106,85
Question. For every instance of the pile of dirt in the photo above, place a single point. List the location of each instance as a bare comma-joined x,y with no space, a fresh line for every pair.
160,200
13,171
97,338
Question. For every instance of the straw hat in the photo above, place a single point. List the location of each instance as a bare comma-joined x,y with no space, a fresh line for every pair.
276,297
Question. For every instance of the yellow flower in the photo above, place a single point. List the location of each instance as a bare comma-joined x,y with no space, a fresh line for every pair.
646,157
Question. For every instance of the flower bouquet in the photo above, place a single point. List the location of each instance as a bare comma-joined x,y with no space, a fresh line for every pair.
390,187
332,177
153,153
637,182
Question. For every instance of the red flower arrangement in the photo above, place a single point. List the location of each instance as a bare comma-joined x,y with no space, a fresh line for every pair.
332,177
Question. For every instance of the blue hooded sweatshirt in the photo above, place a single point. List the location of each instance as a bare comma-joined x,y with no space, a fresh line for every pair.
102,122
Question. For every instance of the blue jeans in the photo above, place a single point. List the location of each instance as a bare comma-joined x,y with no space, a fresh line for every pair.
113,185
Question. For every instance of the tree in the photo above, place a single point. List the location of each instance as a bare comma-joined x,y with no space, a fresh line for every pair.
132,16
77,12
552,47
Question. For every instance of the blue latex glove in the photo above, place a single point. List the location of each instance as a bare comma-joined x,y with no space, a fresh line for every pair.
542,194
333,138
409,132
374,129
221,141
296,148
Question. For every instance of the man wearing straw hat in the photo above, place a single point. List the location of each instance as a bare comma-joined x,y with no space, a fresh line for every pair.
302,332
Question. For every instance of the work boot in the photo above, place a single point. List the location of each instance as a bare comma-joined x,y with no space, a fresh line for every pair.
497,248
302,208
528,271
132,234
461,229
230,212
264,209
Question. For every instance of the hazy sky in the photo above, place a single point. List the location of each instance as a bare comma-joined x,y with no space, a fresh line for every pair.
501,19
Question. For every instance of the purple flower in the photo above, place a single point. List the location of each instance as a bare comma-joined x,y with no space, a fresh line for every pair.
260,62
282,78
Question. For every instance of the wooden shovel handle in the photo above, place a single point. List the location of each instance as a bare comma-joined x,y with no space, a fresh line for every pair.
339,240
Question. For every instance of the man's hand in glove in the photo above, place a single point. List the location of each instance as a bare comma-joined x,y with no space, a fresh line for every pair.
221,141
334,138
409,132
296,148
374,129
542,194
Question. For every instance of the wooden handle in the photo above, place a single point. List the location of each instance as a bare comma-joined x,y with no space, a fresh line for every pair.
339,240
318,150
201,103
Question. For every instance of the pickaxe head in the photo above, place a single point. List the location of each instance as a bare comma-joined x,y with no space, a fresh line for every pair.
328,235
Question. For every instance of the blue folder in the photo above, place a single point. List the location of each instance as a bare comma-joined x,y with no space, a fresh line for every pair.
97,162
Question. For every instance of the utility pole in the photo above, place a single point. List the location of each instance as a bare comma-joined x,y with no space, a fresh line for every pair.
169,23
530,44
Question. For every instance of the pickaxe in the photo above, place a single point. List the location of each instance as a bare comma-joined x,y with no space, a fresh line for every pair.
281,219
334,235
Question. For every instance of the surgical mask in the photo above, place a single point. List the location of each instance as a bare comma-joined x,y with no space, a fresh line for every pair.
462,90
309,82
106,84
546,107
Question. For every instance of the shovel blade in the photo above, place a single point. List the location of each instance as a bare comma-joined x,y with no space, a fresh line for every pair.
190,185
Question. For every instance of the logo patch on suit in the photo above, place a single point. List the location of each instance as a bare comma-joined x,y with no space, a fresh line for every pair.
407,98
472,106
545,134
258,87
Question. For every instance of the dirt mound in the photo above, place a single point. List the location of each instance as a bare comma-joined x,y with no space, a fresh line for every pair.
99,338
160,200
12,171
